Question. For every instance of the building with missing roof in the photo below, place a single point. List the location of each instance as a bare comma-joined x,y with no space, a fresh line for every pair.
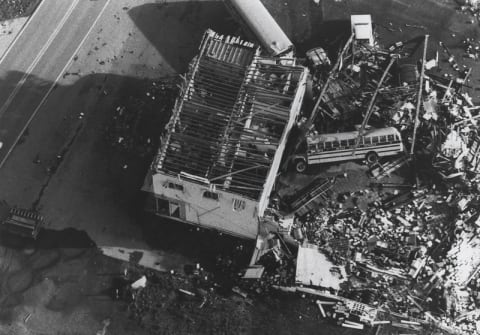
221,151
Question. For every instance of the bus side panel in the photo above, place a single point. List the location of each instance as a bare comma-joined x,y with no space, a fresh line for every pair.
360,153
339,156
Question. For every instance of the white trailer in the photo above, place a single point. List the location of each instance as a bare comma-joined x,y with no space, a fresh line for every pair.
262,25
362,28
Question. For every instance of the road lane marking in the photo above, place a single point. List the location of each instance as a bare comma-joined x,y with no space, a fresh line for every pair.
37,59
24,27
53,86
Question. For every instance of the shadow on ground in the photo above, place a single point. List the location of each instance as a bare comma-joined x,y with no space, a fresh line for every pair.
88,190
83,167
70,166
331,35
180,26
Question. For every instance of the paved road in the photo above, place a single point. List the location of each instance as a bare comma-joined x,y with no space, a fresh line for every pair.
82,192
37,60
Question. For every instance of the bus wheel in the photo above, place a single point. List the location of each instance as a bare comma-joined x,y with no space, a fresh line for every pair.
300,166
371,157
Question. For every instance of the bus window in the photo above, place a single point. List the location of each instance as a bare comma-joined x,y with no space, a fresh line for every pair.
343,143
374,139
335,144
383,139
351,142
367,140
312,147
328,145
390,138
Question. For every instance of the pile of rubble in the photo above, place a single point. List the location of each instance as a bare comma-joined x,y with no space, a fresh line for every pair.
408,266
403,253
472,7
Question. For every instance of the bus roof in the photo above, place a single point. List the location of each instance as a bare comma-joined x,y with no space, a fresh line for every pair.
312,139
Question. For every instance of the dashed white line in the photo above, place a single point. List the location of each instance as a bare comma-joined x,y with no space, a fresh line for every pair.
38,58
24,27
52,86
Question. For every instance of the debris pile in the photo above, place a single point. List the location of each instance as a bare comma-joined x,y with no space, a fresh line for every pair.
163,301
411,254
471,7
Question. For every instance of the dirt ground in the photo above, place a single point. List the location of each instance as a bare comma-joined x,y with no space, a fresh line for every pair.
90,195
59,291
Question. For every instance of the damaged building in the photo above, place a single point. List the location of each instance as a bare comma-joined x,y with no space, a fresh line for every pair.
373,246
221,152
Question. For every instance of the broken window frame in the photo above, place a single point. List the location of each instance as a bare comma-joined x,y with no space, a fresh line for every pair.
175,209
175,186
211,195
162,206
312,147
238,205
166,207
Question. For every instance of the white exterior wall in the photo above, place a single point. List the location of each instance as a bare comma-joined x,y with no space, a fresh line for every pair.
209,213
272,174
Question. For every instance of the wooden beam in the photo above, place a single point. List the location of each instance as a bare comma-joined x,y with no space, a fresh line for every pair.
419,97
236,172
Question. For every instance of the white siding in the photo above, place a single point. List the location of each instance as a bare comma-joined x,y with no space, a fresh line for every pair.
272,174
217,214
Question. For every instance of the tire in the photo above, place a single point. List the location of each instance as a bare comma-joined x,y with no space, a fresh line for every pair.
300,165
371,157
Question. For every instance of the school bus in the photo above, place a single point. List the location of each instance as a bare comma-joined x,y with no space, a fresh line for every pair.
338,147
